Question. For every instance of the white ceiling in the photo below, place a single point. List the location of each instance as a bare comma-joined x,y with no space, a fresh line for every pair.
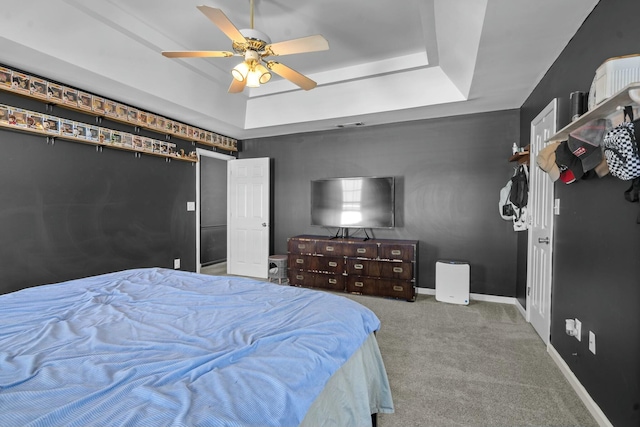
388,61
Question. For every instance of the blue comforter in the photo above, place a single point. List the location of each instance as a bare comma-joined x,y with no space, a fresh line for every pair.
157,347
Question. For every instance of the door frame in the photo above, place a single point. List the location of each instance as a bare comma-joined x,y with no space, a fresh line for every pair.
206,153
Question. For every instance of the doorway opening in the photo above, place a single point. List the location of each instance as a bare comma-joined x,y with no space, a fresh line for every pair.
211,212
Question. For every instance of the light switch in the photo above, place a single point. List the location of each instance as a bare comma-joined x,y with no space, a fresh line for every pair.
191,206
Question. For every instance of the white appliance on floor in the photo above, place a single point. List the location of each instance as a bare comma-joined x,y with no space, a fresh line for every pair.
452,282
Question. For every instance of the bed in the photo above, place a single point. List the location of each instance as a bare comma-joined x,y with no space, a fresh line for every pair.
161,347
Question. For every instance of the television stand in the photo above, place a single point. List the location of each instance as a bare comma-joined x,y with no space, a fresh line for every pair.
345,234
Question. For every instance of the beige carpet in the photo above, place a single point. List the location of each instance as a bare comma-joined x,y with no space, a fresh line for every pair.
475,365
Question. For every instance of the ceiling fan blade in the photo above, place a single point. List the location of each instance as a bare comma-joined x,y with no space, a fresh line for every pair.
237,86
301,45
292,75
196,54
218,17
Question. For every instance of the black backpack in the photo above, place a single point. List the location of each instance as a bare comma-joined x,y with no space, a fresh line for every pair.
519,194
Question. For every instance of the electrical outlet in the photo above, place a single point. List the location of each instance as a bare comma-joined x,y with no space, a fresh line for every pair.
592,342
578,330
176,263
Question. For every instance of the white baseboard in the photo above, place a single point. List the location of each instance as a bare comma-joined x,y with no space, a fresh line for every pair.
477,297
582,393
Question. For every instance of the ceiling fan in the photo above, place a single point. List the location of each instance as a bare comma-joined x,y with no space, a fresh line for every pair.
255,47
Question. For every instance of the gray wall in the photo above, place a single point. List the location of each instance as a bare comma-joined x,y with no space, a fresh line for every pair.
449,174
597,242
68,211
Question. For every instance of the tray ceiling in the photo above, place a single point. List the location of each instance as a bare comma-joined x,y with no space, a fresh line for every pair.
388,61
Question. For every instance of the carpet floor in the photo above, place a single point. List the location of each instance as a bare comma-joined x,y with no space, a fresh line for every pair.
475,365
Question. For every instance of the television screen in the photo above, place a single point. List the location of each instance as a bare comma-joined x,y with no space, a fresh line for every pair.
360,202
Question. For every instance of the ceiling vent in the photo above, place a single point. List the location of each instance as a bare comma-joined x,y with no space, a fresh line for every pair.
350,125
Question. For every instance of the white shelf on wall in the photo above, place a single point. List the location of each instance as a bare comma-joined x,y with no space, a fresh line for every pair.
605,109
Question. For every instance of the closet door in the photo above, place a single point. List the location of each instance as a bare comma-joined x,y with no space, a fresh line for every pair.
540,208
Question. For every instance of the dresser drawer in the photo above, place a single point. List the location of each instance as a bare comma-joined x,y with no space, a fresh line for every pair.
362,250
301,262
402,289
329,248
335,282
329,264
383,269
299,246
308,279
397,252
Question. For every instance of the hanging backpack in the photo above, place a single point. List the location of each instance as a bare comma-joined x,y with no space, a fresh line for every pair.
519,194
621,149
504,204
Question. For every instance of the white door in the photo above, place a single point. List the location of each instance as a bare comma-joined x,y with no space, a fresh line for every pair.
248,217
540,208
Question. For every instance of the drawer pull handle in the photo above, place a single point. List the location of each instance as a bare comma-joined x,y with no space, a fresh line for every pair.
396,252
329,248
398,288
397,269
359,284
300,261
361,250
358,266
333,281
333,264
299,277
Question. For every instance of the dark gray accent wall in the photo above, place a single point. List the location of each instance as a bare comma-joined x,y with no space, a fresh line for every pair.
596,264
68,211
448,171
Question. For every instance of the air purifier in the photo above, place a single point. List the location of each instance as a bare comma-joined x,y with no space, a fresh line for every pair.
452,282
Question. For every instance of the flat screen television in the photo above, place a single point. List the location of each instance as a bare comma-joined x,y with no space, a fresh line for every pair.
358,202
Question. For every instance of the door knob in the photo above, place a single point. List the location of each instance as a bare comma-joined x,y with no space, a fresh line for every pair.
264,224
543,240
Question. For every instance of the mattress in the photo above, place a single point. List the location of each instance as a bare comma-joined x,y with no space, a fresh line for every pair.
165,347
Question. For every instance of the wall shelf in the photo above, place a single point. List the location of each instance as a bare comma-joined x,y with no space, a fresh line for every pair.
53,94
522,157
54,136
605,109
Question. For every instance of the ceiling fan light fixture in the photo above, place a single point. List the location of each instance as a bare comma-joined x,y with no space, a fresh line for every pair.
240,71
253,79
265,75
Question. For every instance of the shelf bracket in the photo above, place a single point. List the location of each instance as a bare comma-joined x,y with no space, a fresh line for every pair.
98,148
136,155
136,129
167,137
99,120
167,159
51,139
48,107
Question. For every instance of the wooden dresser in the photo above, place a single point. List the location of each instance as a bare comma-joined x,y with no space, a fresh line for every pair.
381,267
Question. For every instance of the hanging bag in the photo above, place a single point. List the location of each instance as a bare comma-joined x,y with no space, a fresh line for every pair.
519,194
621,149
